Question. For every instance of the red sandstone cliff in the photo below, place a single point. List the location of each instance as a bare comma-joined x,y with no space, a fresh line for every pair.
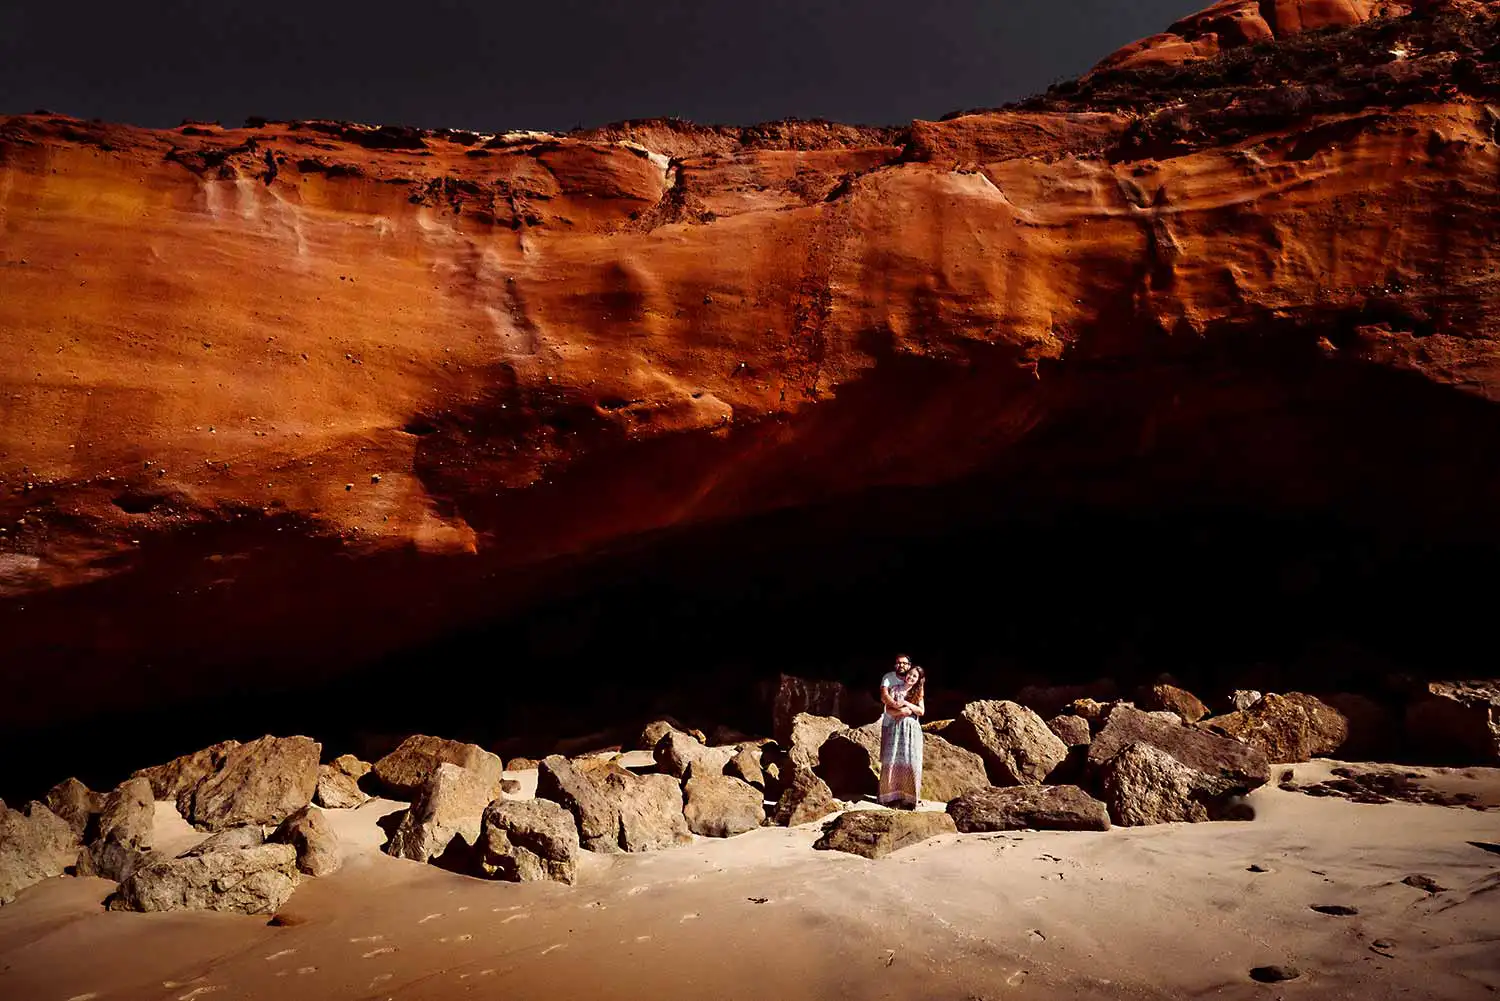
263,383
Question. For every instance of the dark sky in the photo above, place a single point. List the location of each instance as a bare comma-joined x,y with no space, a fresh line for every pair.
550,64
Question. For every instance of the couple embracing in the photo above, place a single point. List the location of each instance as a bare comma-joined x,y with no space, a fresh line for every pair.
903,693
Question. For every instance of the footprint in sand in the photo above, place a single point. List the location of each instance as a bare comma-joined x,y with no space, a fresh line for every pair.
643,938
688,917
381,978
378,952
636,889
368,938
278,955
1014,980
514,917
429,918
550,948
456,938
84,997
198,992
303,971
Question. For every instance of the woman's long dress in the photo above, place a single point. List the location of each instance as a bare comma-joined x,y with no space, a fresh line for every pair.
900,752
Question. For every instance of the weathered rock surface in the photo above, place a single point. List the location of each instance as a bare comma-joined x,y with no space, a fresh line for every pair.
1145,785
1170,698
1457,721
676,752
403,772
1041,808
338,783
124,832
577,790
317,843
75,803
34,845
745,766
1287,728
806,736
877,833
446,814
651,815
529,840
805,799
1240,766
1016,745
180,775
1071,730
248,836
262,782
255,880
721,806
1049,700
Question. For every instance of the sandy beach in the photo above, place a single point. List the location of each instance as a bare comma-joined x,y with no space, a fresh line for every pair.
1155,912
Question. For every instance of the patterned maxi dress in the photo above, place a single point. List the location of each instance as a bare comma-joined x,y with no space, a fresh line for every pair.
900,751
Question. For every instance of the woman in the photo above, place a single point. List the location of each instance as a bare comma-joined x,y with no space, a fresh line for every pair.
903,693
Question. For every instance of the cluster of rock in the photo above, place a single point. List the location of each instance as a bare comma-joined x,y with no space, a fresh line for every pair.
256,798
997,765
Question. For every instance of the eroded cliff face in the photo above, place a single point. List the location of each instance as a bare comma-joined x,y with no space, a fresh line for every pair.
286,398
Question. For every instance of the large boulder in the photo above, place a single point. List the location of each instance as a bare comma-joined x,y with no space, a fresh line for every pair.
529,840
445,815
676,752
255,880
745,766
181,775
1456,721
34,845
1288,728
1170,698
406,770
75,803
338,783
875,833
316,842
262,782
806,736
806,798
1240,766
124,833
1143,784
650,811
653,732
819,698
580,791
1039,808
849,761
1015,743
721,806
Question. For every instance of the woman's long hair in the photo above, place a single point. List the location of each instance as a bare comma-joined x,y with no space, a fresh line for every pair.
917,692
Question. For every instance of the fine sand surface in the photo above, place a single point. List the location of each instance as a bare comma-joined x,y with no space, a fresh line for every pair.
1156,912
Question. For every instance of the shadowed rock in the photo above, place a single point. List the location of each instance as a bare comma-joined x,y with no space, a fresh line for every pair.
721,806
406,769
1170,698
1240,766
582,794
447,809
877,833
1015,743
124,832
1041,808
254,880
338,783
1287,728
529,840
34,845
316,842
75,803
180,775
806,798
262,782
